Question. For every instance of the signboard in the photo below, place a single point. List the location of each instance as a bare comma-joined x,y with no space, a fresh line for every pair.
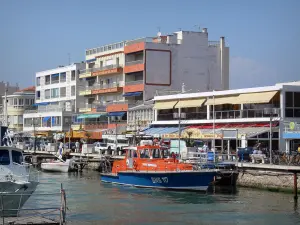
230,133
193,133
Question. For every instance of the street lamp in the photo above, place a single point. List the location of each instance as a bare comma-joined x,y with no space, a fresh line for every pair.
271,112
179,116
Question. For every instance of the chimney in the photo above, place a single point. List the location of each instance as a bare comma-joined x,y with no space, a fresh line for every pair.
204,30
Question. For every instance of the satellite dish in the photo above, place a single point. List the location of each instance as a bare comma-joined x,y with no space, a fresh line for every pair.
158,34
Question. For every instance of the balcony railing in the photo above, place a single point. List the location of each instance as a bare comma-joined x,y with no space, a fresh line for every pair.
145,39
232,114
47,82
46,109
95,69
141,61
134,82
54,81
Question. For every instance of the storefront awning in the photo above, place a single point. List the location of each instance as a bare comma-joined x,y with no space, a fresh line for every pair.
90,60
91,116
116,113
189,103
132,94
164,104
259,97
220,100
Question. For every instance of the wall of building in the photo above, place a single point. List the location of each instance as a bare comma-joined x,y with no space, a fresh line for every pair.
10,90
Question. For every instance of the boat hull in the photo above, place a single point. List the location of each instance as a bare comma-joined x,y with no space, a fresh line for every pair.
55,167
184,180
13,196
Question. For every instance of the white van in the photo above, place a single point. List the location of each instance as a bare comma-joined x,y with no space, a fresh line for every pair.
121,143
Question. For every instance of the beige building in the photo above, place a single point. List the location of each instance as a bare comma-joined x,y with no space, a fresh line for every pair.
16,105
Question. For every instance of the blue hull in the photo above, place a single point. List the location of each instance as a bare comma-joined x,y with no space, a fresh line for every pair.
188,180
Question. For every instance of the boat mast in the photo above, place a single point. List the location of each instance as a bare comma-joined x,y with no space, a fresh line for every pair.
5,106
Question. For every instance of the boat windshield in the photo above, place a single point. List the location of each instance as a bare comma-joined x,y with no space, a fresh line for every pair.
145,154
156,154
17,157
4,157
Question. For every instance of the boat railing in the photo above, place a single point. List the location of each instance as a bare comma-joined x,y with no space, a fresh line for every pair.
23,172
50,214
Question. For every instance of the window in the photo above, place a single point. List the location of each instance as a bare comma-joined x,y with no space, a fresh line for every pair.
56,121
145,154
21,101
73,90
73,75
31,101
15,101
47,79
54,93
38,94
15,120
292,104
20,119
4,157
47,94
63,92
155,153
27,102
55,78
17,157
63,77
38,81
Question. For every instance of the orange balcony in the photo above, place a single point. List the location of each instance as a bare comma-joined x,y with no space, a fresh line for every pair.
136,47
107,71
113,125
134,67
107,90
133,87
117,107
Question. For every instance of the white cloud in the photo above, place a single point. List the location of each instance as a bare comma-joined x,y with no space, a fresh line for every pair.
246,73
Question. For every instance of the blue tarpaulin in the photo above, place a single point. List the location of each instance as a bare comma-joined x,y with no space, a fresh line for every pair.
130,94
116,113
42,103
45,119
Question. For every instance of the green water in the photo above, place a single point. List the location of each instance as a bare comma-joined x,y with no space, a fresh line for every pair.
92,202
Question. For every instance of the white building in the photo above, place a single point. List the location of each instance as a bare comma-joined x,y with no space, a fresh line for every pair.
17,103
250,111
120,75
56,99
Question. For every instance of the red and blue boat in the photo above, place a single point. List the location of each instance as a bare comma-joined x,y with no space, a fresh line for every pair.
149,167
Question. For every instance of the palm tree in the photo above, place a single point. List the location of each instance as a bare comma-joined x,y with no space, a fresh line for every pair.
189,134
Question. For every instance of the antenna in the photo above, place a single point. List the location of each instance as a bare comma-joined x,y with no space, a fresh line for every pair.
69,57
197,27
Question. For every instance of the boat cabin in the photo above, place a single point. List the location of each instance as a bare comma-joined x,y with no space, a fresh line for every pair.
148,158
10,156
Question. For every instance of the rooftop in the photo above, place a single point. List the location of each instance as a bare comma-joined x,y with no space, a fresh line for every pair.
275,87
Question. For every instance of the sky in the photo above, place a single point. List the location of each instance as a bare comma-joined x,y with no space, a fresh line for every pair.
263,35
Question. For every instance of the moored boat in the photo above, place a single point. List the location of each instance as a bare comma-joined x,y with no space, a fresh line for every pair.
147,166
17,181
58,165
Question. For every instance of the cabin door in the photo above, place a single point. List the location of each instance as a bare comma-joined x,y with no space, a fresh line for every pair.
129,160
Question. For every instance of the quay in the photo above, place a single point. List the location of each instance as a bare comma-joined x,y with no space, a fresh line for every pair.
35,220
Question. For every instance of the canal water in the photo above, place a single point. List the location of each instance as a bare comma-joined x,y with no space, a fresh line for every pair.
91,202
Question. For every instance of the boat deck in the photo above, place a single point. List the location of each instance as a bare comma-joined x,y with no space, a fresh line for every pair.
163,172
35,220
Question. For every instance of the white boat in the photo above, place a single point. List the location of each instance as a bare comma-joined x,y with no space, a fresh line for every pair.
17,181
58,165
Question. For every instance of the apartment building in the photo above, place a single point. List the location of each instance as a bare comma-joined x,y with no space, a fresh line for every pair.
9,89
15,106
122,75
56,99
253,113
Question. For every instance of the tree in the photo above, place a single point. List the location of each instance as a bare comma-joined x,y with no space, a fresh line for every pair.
189,134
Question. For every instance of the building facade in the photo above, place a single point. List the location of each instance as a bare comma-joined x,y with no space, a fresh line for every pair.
122,75
56,98
17,103
9,90
254,113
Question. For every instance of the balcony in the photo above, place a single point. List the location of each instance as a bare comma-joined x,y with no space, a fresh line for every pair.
134,66
134,62
219,115
134,86
45,109
95,107
102,89
93,125
98,71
